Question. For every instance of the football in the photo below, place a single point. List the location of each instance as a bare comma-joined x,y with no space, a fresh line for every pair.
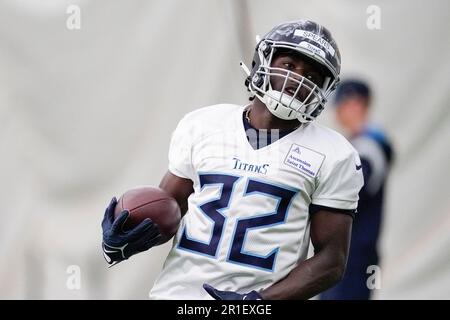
150,202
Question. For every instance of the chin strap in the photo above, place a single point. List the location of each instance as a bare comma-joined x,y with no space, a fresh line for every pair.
244,68
274,101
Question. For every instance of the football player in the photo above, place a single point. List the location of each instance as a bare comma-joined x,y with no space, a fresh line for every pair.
352,102
257,182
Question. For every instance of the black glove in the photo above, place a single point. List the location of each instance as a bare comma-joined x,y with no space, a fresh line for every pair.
119,245
231,295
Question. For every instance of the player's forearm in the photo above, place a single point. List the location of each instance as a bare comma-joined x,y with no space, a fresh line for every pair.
179,188
308,279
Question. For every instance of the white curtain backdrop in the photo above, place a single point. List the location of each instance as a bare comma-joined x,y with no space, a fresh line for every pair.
86,114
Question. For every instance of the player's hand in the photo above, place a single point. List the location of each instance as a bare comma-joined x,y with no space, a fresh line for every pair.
231,295
119,245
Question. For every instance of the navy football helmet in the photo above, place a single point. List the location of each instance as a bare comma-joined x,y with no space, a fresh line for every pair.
308,39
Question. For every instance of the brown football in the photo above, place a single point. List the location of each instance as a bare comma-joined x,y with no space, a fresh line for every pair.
150,202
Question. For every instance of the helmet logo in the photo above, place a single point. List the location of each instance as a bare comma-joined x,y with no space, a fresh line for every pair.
315,38
312,48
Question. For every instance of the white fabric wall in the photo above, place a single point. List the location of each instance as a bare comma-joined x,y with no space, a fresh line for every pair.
86,114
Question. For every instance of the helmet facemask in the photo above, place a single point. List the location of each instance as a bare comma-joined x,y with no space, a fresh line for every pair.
305,100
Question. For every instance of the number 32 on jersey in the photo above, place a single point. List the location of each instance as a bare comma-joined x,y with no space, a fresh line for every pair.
212,209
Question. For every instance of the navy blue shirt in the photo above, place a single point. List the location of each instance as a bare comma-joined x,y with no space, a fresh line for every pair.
376,155
375,152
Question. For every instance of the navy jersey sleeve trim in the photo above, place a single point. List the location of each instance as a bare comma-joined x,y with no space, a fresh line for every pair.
313,208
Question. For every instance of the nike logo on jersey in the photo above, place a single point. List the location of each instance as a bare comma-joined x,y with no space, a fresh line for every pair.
358,167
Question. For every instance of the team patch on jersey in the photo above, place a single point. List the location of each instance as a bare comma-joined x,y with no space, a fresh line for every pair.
304,159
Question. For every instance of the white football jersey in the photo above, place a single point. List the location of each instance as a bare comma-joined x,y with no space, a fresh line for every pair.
247,224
